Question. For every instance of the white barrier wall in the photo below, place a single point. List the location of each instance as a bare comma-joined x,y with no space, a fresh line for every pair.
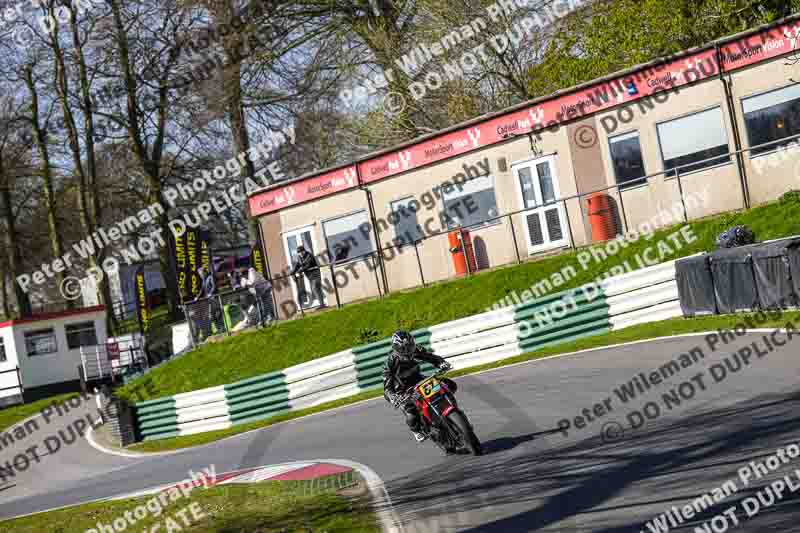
645,295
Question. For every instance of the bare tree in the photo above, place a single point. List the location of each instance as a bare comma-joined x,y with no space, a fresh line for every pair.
14,160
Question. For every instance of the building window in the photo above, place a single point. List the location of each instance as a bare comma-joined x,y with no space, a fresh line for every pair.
626,156
3,357
771,117
405,221
40,342
346,237
475,204
694,142
81,334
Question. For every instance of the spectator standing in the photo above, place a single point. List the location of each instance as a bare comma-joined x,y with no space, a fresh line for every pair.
208,286
305,264
205,305
259,289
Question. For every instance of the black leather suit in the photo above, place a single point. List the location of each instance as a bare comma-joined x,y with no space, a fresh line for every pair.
400,374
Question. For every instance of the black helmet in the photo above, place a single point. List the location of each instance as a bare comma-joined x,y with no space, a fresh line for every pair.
403,343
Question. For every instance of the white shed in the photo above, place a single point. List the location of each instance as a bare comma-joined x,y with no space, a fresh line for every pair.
46,348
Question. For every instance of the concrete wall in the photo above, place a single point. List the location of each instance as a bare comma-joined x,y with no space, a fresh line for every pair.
494,243
276,258
431,260
360,279
769,174
660,194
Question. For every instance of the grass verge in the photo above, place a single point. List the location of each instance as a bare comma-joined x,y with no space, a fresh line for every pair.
297,341
275,506
17,413
675,326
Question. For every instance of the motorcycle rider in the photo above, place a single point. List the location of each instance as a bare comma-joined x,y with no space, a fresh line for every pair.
402,371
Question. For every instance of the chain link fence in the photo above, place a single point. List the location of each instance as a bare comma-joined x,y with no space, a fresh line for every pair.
229,312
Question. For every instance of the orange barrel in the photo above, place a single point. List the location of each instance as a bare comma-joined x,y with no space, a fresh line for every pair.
459,262
601,217
459,258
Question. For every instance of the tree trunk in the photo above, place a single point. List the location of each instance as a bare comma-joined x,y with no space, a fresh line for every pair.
94,218
232,89
12,247
45,170
150,162
3,291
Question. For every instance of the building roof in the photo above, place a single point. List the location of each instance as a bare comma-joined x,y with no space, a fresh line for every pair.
50,316
735,52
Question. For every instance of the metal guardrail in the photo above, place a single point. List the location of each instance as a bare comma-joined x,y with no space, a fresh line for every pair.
99,362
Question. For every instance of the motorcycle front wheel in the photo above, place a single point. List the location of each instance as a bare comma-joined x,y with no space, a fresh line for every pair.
471,441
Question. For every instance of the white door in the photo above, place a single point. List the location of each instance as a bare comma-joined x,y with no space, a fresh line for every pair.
545,221
304,294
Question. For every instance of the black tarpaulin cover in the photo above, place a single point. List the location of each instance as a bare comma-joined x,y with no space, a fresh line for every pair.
771,266
734,280
792,251
695,286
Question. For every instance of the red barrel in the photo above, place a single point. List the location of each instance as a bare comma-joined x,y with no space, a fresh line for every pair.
601,217
457,250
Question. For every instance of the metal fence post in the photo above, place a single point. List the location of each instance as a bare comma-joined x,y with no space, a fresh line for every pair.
375,265
464,249
335,287
569,225
680,192
274,300
514,237
385,271
622,210
221,314
419,263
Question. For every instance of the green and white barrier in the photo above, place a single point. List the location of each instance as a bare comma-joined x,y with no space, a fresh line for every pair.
642,296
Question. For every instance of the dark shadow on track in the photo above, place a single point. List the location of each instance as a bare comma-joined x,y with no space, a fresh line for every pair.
658,466
505,444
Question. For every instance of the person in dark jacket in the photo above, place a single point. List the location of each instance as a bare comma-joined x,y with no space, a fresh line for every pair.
306,264
207,310
402,372
208,286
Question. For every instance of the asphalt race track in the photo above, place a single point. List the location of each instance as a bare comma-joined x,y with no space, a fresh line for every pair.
604,477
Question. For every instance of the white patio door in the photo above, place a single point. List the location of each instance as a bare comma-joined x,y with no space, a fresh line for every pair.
545,222
304,294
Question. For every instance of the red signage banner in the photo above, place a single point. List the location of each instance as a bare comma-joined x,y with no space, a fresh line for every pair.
546,115
303,191
759,47
551,114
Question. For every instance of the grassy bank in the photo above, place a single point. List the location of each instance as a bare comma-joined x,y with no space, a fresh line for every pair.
675,326
17,413
264,507
297,341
